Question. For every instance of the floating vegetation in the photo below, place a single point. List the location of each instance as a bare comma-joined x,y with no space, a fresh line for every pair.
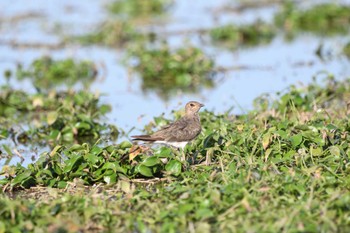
325,19
54,117
113,33
346,50
260,161
136,8
234,36
186,69
47,73
123,29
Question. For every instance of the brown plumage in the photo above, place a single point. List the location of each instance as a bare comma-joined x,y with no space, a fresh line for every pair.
180,132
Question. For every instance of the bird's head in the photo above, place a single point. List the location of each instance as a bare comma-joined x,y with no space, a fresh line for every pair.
193,107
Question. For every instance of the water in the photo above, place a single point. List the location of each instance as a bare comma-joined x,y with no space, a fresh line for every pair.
264,69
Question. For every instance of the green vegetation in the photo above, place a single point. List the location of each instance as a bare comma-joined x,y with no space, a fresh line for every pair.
123,29
52,117
135,8
346,50
113,33
47,73
282,167
234,36
325,19
165,71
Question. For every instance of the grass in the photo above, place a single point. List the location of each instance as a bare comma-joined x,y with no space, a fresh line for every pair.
281,168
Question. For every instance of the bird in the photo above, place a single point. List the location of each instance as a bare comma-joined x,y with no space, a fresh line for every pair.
178,133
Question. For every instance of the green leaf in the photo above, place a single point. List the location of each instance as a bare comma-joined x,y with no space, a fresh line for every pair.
125,144
21,177
174,167
296,140
316,151
83,125
110,179
92,159
151,161
52,117
164,152
144,170
334,150
72,163
96,150
61,184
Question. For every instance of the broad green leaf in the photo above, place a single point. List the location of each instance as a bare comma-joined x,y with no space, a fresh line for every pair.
96,150
110,179
92,159
72,163
316,151
151,161
61,184
52,117
144,170
21,177
83,125
174,167
296,140
125,144
164,152
334,150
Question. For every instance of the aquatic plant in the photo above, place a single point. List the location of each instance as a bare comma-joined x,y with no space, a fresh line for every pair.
185,69
325,19
234,36
47,73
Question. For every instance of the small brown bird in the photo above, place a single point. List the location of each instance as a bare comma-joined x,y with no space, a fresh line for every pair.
179,133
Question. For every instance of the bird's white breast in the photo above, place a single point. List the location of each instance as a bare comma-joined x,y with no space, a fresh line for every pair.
175,144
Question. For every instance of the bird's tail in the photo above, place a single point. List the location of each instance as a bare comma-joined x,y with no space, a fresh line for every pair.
147,138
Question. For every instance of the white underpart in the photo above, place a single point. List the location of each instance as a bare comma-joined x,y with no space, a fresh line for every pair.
175,144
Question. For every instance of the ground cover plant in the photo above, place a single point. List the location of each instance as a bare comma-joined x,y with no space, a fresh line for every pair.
282,167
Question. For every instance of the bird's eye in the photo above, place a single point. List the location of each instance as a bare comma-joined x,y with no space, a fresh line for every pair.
192,105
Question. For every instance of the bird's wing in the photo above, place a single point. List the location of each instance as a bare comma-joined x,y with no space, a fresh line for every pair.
182,130
168,130
164,132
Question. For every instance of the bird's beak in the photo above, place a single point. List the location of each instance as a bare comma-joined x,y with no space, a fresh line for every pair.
202,105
